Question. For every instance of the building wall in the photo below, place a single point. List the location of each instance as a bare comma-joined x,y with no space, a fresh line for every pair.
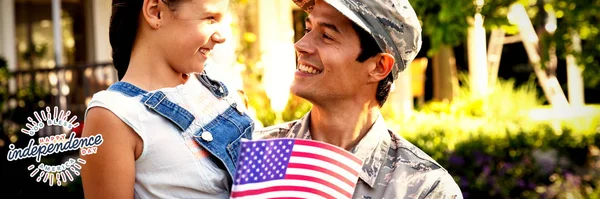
7,39
91,44
97,23
7,32
101,11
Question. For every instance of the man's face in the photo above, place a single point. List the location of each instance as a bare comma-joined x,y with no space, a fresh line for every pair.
327,69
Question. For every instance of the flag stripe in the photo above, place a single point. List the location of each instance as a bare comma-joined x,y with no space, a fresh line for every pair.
289,182
326,159
307,172
325,165
336,156
320,181
322,170
281,188
292,168
329,147
282,194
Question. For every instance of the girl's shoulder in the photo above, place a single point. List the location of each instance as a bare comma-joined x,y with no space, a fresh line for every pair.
115,101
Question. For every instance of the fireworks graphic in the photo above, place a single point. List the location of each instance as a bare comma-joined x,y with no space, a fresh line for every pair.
52,174
60,174
55,117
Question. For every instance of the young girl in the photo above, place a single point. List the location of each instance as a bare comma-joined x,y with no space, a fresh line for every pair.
169,130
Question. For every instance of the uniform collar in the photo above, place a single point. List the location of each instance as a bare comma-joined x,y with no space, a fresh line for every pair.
372,149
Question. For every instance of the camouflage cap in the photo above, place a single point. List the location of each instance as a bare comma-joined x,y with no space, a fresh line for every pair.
393,24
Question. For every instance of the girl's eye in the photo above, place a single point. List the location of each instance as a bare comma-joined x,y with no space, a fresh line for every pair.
306,31
212,20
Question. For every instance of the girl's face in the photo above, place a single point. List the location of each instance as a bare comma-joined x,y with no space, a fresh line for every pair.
189,33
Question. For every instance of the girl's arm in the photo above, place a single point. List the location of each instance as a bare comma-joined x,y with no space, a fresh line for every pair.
110,173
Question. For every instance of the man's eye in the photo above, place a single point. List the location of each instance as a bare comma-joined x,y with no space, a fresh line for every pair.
327,36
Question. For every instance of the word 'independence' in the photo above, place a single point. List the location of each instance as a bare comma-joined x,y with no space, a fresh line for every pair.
53,144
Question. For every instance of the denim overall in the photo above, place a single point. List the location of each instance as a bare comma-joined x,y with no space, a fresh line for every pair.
220,137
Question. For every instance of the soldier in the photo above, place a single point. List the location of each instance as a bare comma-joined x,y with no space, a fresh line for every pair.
351,53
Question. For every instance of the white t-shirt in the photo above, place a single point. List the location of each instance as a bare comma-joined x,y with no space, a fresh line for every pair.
171,165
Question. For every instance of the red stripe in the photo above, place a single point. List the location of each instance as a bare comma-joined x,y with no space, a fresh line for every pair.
329,147
322,170
286,198
280,188
320,181
326,159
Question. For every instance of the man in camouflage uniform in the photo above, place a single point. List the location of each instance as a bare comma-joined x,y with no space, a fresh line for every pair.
351,53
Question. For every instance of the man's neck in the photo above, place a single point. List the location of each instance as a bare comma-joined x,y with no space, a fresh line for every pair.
343,125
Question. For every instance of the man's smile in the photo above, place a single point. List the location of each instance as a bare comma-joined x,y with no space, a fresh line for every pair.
308,69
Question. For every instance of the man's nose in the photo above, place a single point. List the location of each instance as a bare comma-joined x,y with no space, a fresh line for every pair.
303,46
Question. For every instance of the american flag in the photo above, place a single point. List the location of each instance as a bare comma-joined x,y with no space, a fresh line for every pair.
294,168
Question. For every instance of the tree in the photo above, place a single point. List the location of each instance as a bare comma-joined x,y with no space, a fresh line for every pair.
579,18
575,40
559,26
446,24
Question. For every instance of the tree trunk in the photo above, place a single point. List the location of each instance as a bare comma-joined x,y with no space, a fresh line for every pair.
550,85
574,78
478,69
494,54
445,80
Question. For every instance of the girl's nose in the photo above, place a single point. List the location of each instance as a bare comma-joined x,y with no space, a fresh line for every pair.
218,38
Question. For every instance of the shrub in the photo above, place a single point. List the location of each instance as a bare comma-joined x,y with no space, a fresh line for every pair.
514,162
496,148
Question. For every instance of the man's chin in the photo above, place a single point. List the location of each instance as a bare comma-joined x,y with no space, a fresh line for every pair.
301,92
311,97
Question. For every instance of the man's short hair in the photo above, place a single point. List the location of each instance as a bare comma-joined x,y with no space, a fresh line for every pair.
368,49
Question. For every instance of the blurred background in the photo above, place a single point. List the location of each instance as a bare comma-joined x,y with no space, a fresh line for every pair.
504,93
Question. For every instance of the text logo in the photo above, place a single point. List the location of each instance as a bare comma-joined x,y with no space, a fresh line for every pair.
52,145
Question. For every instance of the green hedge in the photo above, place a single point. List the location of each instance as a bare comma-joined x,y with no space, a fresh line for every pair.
509,145
512,159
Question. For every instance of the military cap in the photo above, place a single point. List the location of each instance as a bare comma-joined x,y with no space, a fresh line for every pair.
393,24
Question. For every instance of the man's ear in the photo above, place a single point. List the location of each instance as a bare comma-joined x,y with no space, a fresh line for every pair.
383,67
152,13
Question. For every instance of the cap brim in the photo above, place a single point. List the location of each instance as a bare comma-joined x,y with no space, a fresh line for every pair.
340,6
307,5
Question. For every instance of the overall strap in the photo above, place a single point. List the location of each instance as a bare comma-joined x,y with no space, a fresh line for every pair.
158,102
217,88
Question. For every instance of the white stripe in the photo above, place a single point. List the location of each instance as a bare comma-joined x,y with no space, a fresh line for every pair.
284,182
325,165
327,153
328,178
274,194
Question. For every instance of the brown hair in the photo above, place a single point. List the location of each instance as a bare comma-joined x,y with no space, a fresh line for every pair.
368,49
123,29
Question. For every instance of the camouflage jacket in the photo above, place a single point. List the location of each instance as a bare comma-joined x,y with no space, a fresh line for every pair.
393,167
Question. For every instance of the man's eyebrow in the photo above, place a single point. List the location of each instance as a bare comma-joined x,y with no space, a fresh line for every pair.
326,25
330,26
